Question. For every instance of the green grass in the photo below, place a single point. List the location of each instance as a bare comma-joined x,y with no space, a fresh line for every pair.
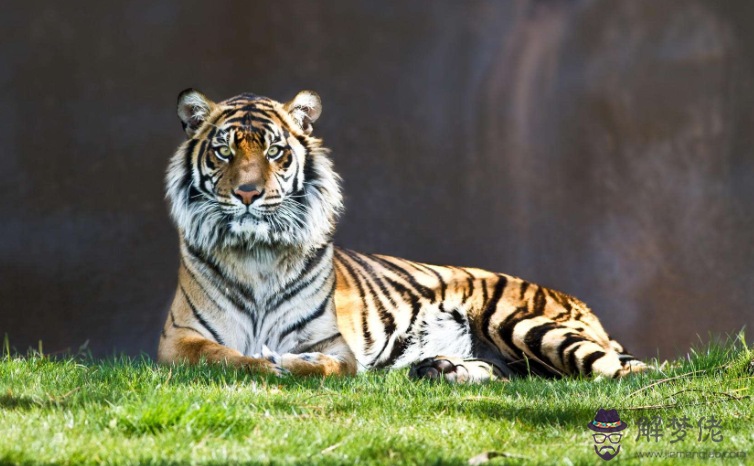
77,410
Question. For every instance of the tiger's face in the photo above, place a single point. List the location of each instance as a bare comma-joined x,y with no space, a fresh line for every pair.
251,173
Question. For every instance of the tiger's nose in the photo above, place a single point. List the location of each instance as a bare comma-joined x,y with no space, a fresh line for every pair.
247,193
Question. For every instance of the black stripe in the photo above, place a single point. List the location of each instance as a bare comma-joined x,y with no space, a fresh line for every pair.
221,115
184,327
524,287
322,342
244,290
311,176
318,312
368,340
187,170
385,317
508,325
379,353
443,285
467,293
352,273
414,265
292,291
562,316
203,156
561,298
198,283
533,339
491,305
539,302
464,270
194,195
400,346
568,340
248,118
229,293
571,357
589,361
299,285
424,291
208,162
414,301
201,319
458,317
372,274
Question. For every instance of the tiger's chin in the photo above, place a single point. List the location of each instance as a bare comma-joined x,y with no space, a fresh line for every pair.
249,225
249,231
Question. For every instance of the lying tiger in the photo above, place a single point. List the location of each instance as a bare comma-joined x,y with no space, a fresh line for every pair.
261,286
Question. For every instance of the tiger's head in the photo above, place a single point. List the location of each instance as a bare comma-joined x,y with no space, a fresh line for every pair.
251,175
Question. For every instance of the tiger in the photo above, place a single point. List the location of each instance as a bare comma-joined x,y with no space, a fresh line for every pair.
261,286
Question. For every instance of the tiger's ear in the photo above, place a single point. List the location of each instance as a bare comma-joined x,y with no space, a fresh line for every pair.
193,108
305,108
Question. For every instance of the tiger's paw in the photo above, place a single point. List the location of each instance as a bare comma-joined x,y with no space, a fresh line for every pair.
633,367
455,370
260,366
304,364
272,361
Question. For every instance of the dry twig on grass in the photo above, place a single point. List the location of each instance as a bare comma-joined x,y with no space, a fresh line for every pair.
660,382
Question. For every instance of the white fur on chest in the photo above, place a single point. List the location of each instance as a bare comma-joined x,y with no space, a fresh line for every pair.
265,274
265,278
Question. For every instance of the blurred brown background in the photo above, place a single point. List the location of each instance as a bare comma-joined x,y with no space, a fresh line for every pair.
603,148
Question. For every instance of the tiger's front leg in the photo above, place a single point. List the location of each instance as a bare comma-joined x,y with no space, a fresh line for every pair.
182,346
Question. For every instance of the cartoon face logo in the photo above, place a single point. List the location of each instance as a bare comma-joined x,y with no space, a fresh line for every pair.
607,424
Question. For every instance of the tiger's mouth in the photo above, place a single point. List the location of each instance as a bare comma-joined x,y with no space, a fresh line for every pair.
253,215
259,211
257,214
264,209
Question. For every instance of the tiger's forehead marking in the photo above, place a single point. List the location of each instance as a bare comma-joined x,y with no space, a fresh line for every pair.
261,120
248,140
253,119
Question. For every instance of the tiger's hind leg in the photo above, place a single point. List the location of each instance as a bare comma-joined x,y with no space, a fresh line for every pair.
457,370
570,348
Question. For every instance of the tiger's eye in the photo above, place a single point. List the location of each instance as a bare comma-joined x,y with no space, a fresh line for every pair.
273,151
225,151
